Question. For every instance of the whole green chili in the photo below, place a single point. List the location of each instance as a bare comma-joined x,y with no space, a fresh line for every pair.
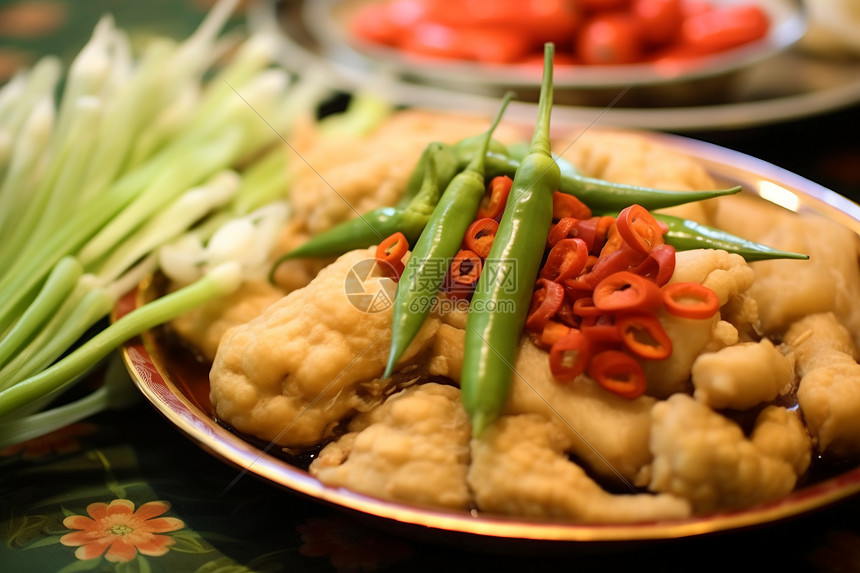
686,235
447,163
502,297
375,225
605,196
427,266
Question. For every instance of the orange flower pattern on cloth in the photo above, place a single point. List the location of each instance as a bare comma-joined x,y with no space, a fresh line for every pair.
119,532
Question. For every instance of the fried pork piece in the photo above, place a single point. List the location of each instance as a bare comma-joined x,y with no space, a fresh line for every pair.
311,359
204,326
729,276
743,375
414,448
703,457
520,467
622,157
787,290
829,390
340,177
607,433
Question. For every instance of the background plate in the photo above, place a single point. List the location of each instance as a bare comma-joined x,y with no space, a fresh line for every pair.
789,85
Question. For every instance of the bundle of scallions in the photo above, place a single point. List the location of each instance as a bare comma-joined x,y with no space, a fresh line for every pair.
134,152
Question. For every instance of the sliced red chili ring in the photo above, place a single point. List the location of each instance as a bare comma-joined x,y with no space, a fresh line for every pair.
464,273
392,248
639,228
569,356
619,373
602,331
659,265
389,254
612,242
594,232
466,267
625,291
565,314
565,260
479,236
546,300
560,230
564,205
623,259
553,332
584,306
690,300
644,336
494,203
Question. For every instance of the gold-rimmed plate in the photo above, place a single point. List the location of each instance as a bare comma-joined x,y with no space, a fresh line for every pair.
177,385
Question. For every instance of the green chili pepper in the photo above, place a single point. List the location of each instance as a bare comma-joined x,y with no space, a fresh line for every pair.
604,196
447,163
450,160
427,266
686,235
502,297
501,164
375,225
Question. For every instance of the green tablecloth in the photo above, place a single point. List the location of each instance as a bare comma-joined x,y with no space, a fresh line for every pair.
133,465
62,497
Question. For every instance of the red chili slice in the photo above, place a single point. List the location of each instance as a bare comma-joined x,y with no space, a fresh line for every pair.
602,330
613,242
619,373
625,291
584,306
594,232
389,254
479,236
561,230
690,300
643,335
546,300
569,356
565,260
639,228
564,205
659,265
553,332
494,203
464,273
565,314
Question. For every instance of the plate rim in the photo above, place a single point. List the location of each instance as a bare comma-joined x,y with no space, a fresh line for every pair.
141,357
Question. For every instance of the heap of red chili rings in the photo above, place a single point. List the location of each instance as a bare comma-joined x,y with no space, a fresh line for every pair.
595,303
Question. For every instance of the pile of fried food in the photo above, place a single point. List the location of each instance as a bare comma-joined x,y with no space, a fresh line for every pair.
746,403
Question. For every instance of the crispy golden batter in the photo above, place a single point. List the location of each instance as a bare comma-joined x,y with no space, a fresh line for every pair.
701,456
829,390
521,467
413,448
310,360
743,375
